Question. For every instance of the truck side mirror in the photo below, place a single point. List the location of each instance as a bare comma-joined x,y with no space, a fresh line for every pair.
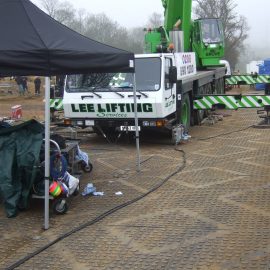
173,74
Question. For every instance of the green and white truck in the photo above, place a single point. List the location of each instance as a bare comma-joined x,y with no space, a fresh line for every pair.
166,85
179,77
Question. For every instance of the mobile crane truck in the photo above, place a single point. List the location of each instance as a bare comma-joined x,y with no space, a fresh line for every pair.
176,80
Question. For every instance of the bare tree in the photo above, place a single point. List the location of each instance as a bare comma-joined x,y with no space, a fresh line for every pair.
79,23
101,28
64,12
136,39
235,26
155,20
95,26
50,6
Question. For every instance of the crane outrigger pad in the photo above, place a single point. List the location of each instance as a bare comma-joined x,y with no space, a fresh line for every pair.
247,79
56,104
230,102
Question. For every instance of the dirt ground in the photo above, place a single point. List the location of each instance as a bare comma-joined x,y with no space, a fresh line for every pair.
32,106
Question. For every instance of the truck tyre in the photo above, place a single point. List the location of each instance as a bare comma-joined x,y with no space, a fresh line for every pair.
186,112
198,116
219,86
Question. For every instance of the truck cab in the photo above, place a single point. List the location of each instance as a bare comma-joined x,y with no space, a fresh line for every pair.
106,100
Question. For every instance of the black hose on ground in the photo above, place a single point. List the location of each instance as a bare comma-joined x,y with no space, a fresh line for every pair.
223,134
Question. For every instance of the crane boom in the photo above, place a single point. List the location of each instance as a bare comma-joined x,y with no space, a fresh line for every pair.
202,36
178,10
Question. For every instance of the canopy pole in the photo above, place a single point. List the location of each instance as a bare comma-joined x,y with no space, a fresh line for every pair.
136,123
47,152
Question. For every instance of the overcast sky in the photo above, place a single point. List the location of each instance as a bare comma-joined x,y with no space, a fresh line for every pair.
131,13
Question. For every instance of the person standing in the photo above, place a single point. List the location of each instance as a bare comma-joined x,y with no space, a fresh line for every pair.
24,83
19,81
37,83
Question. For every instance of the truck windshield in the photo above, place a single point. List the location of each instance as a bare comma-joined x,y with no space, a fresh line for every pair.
148,78
211,32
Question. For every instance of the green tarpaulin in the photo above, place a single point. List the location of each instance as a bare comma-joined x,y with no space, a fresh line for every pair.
19,154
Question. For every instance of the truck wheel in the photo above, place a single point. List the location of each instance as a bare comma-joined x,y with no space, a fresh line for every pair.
186,112
198,116
222,86
219,86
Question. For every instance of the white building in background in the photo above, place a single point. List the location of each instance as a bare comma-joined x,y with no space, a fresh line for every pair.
253,66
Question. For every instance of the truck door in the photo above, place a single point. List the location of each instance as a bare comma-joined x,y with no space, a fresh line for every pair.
169,89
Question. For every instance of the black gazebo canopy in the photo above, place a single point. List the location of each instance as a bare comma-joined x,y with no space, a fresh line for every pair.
33,43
